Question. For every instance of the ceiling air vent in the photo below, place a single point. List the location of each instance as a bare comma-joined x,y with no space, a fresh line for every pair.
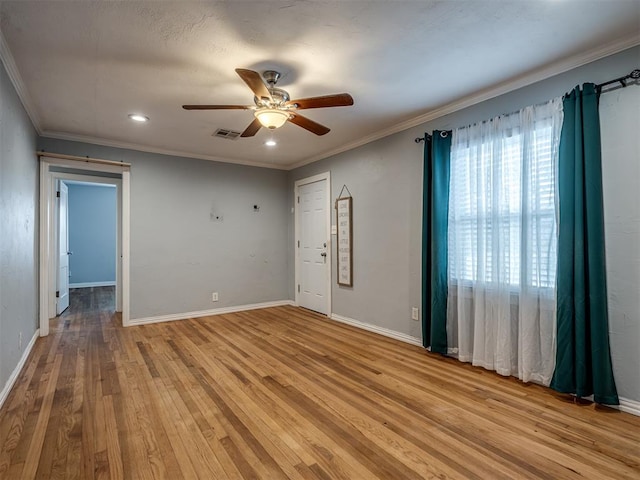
228,134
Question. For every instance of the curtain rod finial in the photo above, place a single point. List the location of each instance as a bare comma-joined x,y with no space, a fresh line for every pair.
422,139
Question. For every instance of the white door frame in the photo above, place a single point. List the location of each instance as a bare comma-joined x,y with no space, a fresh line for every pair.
299,183
48,230
116,182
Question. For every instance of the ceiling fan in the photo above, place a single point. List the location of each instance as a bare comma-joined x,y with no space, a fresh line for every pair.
273,107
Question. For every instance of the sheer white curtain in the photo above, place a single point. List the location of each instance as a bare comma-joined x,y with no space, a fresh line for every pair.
501,311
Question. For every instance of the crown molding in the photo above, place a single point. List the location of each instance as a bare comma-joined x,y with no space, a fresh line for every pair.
14,75
162,151
538,75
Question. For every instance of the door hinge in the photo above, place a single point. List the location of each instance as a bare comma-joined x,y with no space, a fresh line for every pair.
298,199
58,194
298,288
57,293
298,243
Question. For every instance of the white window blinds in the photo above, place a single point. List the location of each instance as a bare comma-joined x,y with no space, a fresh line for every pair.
502,216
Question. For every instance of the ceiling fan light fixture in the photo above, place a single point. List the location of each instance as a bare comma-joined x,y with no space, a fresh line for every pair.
271,118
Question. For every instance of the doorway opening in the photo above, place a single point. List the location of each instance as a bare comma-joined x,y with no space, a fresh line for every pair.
58,174
87,218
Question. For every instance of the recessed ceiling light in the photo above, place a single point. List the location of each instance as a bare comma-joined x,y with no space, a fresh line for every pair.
270,143
136,117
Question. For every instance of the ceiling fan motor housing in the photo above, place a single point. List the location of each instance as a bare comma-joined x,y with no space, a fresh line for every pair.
271,77
278,98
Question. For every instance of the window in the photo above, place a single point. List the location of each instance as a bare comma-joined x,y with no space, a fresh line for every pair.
502,239
502,212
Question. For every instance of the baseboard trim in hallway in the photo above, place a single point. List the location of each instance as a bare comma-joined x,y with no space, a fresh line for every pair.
92,284
16,372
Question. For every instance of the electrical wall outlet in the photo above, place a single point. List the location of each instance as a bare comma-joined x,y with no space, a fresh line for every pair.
214,297
415,313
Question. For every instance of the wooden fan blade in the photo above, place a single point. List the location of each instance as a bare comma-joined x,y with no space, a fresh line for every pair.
255,82
337,100
252,129
216,107
307,124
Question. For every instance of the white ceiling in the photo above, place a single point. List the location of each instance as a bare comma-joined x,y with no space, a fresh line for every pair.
82,66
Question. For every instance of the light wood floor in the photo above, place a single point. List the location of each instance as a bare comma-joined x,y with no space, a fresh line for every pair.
283,393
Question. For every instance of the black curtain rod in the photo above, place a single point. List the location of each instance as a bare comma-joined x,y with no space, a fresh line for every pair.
635,75
427,136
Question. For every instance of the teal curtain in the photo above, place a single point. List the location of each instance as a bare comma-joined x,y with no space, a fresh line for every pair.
435,210
583,359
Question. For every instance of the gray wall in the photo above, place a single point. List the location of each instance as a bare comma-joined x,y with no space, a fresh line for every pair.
385,179
92,233
180,253
18,229
620,119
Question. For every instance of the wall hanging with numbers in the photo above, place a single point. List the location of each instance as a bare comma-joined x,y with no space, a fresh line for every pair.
344,223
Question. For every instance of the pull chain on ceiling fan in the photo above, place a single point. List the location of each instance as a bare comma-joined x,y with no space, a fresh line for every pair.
273,107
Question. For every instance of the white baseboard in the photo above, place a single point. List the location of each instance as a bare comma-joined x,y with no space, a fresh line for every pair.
92,284
626,405
629,406
205,313
14,375
403,337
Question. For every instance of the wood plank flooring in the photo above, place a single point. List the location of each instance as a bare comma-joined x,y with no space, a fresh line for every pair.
282,393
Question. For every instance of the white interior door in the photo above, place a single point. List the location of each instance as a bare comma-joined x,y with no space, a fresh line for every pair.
313,262
62,301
